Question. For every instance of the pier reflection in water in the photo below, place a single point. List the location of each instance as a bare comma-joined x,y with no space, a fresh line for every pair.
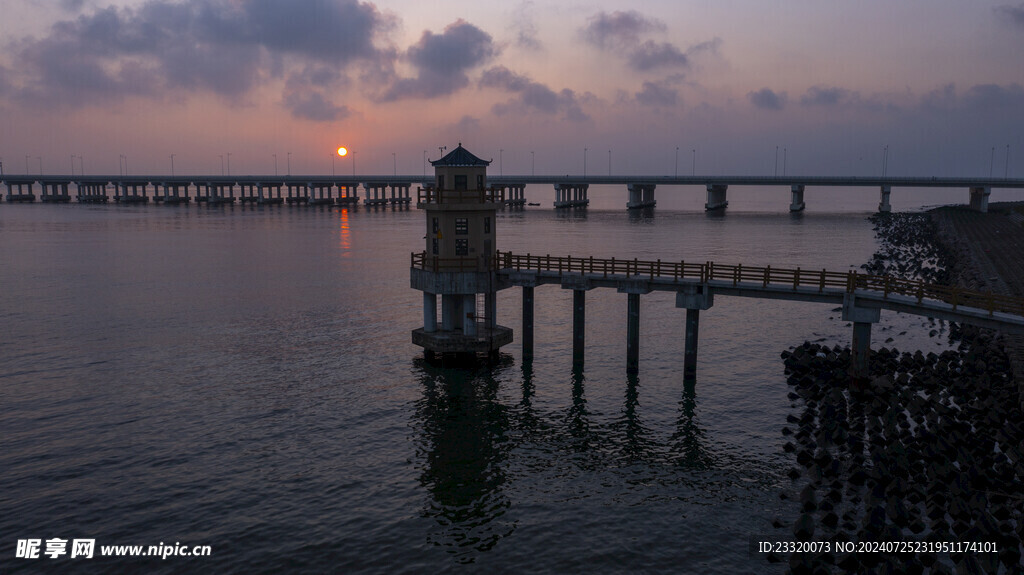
487,463
464,445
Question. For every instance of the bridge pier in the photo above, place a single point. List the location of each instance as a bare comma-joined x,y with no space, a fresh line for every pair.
297,193
348,193
883,202
131,192
376,194
571,195
979,198
862,318
516,196
273,193
716,197
55,192
92,193
694,298
527,322
320,194
24,193
173,193
797,203
429,312
640,196
633,333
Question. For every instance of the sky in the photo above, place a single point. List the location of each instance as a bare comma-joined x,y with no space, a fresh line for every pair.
655,87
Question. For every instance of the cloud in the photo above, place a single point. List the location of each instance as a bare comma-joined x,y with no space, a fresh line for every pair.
313,105
1014,14
651,55
442,60
619,29
826,96
657,94
766,99
164,46
531,95
992,96
524,27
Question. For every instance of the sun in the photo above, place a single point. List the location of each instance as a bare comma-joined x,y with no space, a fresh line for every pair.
342,151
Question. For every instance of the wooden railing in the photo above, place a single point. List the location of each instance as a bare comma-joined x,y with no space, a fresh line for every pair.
736,274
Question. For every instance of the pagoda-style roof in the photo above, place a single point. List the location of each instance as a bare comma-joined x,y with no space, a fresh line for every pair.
460,157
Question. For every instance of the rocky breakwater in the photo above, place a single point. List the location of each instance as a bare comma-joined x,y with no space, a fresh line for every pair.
926,458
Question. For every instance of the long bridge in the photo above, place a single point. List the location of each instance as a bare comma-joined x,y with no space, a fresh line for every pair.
568,190
862,296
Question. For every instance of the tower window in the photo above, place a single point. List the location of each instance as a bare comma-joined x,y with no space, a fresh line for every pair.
436,226
479,182
434,246
462,247
461,226
460,181
487,225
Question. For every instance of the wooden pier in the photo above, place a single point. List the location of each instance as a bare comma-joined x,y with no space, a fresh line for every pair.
862,296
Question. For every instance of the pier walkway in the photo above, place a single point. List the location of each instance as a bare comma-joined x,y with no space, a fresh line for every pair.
862,296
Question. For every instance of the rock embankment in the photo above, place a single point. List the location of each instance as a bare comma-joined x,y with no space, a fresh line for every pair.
930,450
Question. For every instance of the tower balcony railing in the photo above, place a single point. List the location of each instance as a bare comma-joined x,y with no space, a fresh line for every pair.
434,195
482,263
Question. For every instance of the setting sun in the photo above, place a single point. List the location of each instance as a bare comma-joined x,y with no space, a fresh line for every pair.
342,151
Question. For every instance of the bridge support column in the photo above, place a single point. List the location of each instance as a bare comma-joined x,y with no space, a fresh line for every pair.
633,333
694,298
862,318
716,197
527,322
979,198
579,311
640,196
883,200
797,203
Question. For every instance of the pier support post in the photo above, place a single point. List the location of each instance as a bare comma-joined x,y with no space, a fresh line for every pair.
694,298
579,311
883,199
797,203
716,197
429,311
690,345
527,322
979,198
862,318
633,333
448,312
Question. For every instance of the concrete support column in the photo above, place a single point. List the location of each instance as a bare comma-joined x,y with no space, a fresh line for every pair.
716,197
797,203
579,312
527,322
862,318
690,345
859,359
979,198
469,315
883,199
448,312
429,312
633,333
